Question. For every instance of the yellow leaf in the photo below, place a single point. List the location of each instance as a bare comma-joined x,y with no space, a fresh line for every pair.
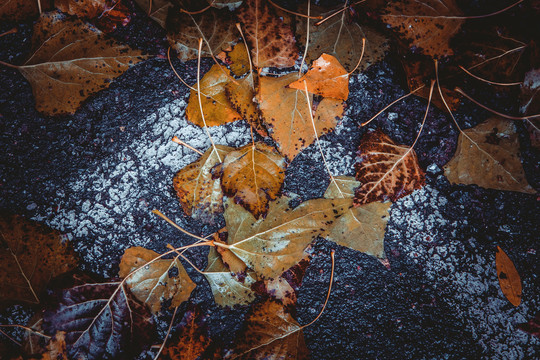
509,279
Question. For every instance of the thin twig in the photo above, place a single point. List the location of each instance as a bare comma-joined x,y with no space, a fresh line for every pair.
307,39
295,13
361,56
488,81
11,31
167,335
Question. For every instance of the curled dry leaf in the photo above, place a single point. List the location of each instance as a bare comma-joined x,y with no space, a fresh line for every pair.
19,10
488,156
101,321
509,279
427,24
163,280
253,175
360,228
326,77
272,245
31,254
271,41
387,171
216,107
340,37
199,192
156,9
270,333
70,61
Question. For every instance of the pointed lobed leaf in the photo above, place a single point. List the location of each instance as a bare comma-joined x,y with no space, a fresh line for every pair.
72,60
271,41
156,9
387,171
488,156
199,193
162,280
509,279
31,254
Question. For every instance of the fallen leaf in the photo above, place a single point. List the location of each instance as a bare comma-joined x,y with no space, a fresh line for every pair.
271,41
509,279
286,114
229,4
56,348
215,27
253,175
31,254
62,76
32,342
340,37
270,333
101,321
360,228
532,326
488,156
387,171
19,10
530,93
199,192
239,59
162,280
427,24
216,107
272,245
326,77
156,9
106,14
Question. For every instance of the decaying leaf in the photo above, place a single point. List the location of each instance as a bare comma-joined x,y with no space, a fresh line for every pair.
215,27
31,254
286,113
70,61
101,321
216,107
156,9
199,193
107,14
530,93
239,60
271,41
272,245
326,77
229,4
387,171
18,10
488,156
253,175
427,24
162,280
360,228
509,279
56,348
341,38
270,333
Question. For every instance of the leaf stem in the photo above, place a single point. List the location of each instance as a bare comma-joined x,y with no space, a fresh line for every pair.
160,214
392,103
180,142
29,329
295,13
361,56
488,81
8,65
9,337
166,335
11,31
307,38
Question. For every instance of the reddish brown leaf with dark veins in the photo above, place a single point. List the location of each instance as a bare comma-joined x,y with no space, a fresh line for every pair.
101,321
106,14
387,171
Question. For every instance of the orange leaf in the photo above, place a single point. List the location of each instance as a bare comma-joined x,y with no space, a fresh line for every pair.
326,77
509,279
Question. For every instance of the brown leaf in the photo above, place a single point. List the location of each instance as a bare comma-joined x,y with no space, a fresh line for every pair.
156,9
270,333
239,59
427,24
340,37
31,254
63,76
162,280
19,10
216,107
199,193
253,175
229,4
509,279
271,41
387,171
360,228
326,77
488,156
56,348
107,14
286,113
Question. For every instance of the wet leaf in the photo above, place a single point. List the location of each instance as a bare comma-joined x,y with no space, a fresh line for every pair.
340,37
100,321
530,93
360,228
229,4
271,41
239,60
488,156
199,193
19,10
163,280
272,245
156,9
270,333
387,171
56,348
286,114
70,61
216,107
427,24
107,14
31,254
326,77
253,175
509,279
